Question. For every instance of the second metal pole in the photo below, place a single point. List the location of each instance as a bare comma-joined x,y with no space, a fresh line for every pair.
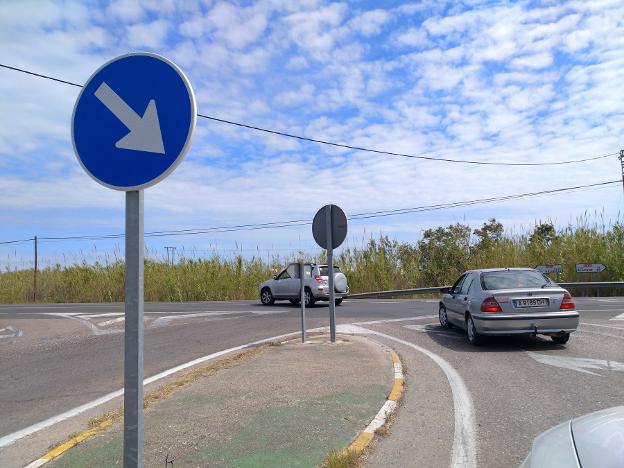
35,271
330,274
133,338
302,299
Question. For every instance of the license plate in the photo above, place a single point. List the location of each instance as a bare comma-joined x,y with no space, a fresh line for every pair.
530,302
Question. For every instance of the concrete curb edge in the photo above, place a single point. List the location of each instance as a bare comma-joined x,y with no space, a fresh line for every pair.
364,438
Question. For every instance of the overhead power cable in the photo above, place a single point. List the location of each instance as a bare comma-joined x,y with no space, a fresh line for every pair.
17,241
356,216
422,156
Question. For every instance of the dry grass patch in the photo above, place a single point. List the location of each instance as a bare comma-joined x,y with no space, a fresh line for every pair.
343,459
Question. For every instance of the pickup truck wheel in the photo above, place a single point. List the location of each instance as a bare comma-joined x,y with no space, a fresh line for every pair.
266,297
309,298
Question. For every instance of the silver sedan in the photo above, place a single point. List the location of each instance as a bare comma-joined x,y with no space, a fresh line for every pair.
509,301
595,440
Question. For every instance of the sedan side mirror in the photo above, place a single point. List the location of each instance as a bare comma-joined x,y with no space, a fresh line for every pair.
445,290
274,276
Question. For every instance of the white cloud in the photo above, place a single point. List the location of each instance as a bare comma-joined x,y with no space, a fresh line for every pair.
127,10
542,60
151,35
413,37
502,82
370,22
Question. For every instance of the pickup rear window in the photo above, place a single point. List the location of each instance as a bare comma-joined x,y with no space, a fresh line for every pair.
324,270
513,279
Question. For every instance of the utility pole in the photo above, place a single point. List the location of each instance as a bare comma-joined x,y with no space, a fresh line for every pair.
35,273
173,249
622,163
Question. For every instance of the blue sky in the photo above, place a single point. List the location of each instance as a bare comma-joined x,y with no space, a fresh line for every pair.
492,81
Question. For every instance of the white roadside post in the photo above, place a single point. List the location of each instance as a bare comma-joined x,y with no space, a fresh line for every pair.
329,229
302,300
153,99
330,273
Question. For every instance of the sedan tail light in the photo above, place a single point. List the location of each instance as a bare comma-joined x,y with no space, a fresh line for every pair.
318,278
490,304
567,302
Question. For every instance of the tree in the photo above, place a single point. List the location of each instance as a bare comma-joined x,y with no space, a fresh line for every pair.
543,232
444,253
490,232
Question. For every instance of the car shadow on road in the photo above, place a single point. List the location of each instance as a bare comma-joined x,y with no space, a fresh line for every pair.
455,339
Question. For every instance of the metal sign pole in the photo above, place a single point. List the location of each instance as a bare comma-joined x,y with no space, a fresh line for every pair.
330,274
302,298
133,339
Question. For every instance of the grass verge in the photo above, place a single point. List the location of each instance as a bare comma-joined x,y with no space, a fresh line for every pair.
342,459
106,420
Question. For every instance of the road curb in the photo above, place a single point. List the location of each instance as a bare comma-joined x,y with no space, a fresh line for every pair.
64,447
364,438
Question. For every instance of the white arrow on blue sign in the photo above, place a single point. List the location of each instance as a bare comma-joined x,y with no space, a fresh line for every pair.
590,267
133,121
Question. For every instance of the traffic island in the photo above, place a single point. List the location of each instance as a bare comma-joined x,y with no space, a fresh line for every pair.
284,405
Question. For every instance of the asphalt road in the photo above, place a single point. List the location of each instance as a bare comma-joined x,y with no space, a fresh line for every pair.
57,357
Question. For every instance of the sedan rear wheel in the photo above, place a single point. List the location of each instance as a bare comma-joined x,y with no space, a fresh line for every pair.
443,317
562,338
266,297
473,337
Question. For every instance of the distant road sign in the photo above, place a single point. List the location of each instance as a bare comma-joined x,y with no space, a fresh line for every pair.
338,223
549,268
590,267
133,121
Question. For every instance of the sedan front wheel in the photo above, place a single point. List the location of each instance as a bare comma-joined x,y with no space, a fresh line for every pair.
443,317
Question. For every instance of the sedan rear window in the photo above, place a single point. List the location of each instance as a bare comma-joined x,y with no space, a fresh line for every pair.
513,279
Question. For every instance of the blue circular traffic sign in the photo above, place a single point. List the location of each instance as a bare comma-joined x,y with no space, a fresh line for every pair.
133,121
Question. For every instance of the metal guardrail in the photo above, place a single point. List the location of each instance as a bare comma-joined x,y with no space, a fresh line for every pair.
398,292
595,284
439,289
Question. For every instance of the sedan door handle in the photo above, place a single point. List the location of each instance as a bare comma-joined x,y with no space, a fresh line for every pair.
466,298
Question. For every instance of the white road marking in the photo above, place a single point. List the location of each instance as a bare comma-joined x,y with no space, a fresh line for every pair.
465,442
603,326
13,332
577,364
62,314
270,312
583,332
606,309
15,436
159,322
94,329
110,314
618,317
408,319
110,322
